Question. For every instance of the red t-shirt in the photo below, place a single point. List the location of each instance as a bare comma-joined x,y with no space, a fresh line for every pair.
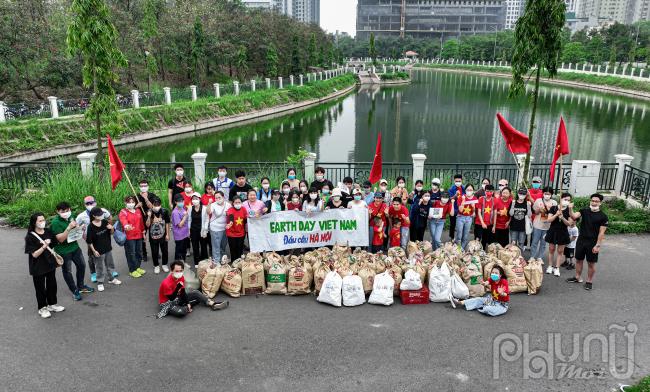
134,219
397,216
238,217
291,206
207,199
494,287
168,286
536,193
378,235
468,209
502,211
374,210
446,208
187,199
395,235
487,208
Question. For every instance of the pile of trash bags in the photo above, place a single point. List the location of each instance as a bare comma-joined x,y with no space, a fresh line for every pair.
343,276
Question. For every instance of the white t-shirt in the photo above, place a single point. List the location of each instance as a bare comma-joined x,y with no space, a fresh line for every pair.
359,204
309,207
573,232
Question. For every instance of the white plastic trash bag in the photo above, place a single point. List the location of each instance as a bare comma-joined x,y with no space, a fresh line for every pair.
330,292
458,288
382,290
411,281
353,294
439,283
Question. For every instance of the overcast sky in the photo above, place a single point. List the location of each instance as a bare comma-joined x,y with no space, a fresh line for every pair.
338,15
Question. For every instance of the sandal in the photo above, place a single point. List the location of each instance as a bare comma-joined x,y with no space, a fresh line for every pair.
573,280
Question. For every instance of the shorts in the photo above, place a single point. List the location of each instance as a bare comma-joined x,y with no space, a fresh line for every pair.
569,252
557,236
584,250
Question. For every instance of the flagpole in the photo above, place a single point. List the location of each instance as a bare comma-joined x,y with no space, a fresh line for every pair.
133,189
518,168
561,176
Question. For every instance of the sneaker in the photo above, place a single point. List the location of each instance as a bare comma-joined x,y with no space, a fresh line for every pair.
549,270
565,264
588,285
44,312
93,277
76,296
85,289
156,270
115,274
116,282
100,287
135,274
220,305
570,267
573,280
165,268
556,271
55,308
141,271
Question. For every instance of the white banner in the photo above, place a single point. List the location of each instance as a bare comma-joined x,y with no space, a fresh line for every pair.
292,229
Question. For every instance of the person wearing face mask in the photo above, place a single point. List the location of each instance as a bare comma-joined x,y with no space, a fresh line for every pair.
222,182
399,216
357,200
98,239
320,180
292,179
294,202
61,226
535,192
494,303
335,201
519,210
501,217
435,192
346,191
541,224
84,219
158,224
144,203
421,216
593,225
383,187
236,228
303,191
400,189
214,222
198,230
264,194
187,194
276,204
483,220
180,229
502,183
557,237
177,301
377,209
42,265
241,187
313,203
177,184
413,201
133,224
481,192
285,193
455,192
325,194
439,212
368,194
466,213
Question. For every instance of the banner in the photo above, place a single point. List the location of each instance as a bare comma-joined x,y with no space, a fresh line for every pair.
292,229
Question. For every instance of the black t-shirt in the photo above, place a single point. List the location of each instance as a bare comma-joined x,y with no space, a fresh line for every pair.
422,214
557,224
331,205
99,237
519,212
319,184
590,224
45,262
176,186
150,196
196,219
237,190
157,227
346,197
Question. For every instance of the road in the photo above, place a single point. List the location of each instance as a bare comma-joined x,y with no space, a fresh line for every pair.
112,341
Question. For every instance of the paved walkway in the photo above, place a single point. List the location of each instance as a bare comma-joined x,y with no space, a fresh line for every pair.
112,341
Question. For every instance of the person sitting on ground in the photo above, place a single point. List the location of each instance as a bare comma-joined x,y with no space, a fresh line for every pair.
175,300
496,302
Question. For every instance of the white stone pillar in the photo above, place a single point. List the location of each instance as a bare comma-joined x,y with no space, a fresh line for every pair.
268,83
252,84
606,68
383,67
87,160
309,164
135,98
54,108
622,160
562,66
193,90
2,112
320,75
291,80
235,85
641,72
280,82
300,77
199,168
583,66
521,159
418,166
217,90
598,68
591,68
168,95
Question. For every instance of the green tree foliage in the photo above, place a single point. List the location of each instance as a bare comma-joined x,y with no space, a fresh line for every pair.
312,51
271,61
149,27
372,50
198,49
574,52
450,49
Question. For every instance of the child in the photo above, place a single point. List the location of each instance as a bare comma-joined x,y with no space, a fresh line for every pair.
180,228
569,251
377,235
236,228
294,202
494,303
395,234
98,238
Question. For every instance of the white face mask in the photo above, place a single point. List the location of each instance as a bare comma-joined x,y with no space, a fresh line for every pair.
444,201
156,209
196,202
286,191
469,193
565,203
594,208
418,188
313,196
237,206
547,197
426,198
130,206
521,197
179,173
188,190
144,189
40,225
222,174
90,207
320,177
66,215
303,189
177,275
458,183
295,200
219,201
400,185
265,186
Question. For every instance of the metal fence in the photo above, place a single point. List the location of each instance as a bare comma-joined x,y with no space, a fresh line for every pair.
636,184
26,175
360,171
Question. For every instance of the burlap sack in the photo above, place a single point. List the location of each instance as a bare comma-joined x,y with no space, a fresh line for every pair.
252,276
276,279
300,277
202,268
515,274
341,250
507,255
474,246
271,258
344,271
320,272
425,247
534,274
398,252
395,273
231,283
367,275
472,275
411,248
212,279
493,249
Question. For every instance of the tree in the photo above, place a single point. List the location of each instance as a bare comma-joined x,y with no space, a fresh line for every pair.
149,27
198,49
242,62
574,52
271,61
311,51
612,56
372,51
538,44
296,58
450,49
92,35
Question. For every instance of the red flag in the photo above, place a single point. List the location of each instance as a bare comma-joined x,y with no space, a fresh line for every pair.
517,142
561,146
375,172
115,163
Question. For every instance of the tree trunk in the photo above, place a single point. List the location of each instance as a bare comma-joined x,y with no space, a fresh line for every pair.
531,127
98,128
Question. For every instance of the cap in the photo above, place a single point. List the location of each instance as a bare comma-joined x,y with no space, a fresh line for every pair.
196,194
379,195
522,191
275,192
435,181
336,192
537,179
89,199
357,191
383,181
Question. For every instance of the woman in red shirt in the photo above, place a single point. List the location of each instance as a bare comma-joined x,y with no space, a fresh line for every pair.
467,204
494,303
236,217
483,221
438,214
294,202
501,217
377,209
133,226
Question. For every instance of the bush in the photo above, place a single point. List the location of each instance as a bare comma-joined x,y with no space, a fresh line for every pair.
395,76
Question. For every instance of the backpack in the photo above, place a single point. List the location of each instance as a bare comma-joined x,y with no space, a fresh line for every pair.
118,234
157,228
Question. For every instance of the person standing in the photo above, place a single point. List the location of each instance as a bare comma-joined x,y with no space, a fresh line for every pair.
236,228
133,224
519,210
377,209
501,217
198,236
466,213
180,229
368,194
421,216
98,239
481,192
455,192
484,214
241,187
414,200
378,235
435,192
214,222
320,180
254,207
158,222
83,219
569,251
264,194
441,210
222,182
144,204
42,265
399,216
61,226
557,235
347,190
593,225
177,184
541,224
292,179
400,189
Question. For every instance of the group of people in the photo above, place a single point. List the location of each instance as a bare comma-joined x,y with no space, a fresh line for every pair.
214,224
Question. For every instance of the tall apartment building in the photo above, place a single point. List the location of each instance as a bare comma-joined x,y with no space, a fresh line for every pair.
514,9
306,11
430,18
621,11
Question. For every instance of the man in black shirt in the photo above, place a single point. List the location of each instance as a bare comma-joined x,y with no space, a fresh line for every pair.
144,203
320,180
241,187
346,191
593,225
98,238
176,185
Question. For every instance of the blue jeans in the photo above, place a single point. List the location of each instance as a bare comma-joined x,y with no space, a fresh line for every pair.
537,244
436,226
216,237
518,237
76,258
463,224
486,305
404,239
133,251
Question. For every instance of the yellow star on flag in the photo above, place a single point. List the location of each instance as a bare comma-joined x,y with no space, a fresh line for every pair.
487,210
467,210
239,221
503,212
